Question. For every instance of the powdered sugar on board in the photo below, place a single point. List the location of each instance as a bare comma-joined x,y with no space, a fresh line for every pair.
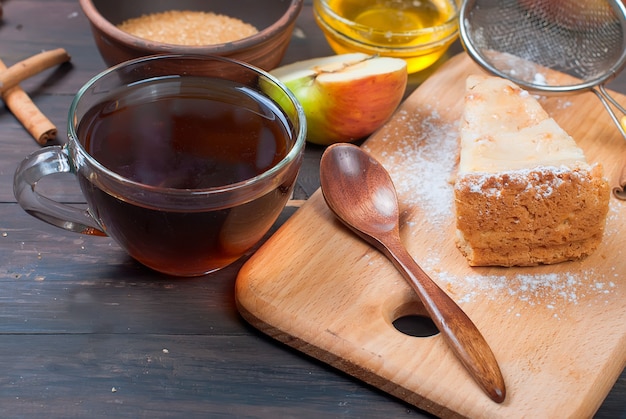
553,291
422,163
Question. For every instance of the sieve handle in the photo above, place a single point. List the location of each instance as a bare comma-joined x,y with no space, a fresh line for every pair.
608,100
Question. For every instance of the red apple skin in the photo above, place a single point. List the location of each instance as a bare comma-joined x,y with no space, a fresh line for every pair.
345,97
355,110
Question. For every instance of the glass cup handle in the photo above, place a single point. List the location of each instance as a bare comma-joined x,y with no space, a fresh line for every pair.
47,161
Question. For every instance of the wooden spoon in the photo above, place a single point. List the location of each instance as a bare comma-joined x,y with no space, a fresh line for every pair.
360,192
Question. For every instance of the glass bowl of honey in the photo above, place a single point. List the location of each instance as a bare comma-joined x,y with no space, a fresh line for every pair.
419,31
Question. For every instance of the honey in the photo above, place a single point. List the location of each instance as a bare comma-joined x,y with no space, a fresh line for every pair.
417,30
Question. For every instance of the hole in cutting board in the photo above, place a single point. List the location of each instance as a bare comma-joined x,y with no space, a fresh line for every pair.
412,319
415,325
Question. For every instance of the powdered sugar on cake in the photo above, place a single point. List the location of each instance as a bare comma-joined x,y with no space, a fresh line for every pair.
531,177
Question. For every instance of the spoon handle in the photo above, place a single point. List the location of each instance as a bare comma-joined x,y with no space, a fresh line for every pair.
462,335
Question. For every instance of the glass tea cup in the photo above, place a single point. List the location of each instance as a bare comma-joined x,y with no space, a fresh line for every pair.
185,161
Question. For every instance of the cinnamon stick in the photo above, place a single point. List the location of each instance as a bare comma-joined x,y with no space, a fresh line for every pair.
29,67
620,191
23,108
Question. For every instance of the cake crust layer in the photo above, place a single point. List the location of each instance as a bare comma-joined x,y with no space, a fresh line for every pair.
530,217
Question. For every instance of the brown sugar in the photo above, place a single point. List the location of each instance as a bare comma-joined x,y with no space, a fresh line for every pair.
188,28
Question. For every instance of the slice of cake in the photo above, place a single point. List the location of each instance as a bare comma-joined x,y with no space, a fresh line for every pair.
524,194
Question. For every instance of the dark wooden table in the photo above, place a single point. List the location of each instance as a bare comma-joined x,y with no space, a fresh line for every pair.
87,332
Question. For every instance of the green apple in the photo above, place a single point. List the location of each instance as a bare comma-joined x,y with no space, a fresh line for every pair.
345,97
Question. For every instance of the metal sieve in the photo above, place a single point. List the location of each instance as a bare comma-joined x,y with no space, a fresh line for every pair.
521,39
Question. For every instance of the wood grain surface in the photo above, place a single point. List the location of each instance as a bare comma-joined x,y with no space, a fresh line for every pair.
86,332
558,332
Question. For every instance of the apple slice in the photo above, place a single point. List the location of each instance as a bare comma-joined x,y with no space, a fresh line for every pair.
345,97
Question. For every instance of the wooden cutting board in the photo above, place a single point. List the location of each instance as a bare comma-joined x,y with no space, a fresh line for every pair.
558,332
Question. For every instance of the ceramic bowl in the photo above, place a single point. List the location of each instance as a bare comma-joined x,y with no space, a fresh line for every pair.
274,20
419,32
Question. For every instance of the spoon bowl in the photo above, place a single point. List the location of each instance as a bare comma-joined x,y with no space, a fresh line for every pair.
360,192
